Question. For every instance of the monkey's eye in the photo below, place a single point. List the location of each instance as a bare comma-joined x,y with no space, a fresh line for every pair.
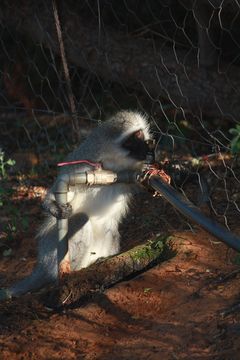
139,134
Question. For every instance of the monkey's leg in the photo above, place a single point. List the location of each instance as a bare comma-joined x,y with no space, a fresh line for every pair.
105,241
46,270
90,241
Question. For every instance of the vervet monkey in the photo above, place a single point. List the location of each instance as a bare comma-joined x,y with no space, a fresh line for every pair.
119,144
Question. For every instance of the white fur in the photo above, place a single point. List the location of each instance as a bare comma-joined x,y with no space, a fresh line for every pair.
138,121
99,237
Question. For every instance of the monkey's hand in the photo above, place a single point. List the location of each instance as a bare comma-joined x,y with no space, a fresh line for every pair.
59,211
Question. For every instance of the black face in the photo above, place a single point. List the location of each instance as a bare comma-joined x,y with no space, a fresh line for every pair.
136,145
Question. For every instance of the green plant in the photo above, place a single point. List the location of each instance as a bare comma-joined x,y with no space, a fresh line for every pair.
16,221
5,193
4,163
147,290
235,142
13,220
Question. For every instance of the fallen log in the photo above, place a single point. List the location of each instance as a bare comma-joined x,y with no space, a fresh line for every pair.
85,283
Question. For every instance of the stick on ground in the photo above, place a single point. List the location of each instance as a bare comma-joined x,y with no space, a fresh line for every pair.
101,275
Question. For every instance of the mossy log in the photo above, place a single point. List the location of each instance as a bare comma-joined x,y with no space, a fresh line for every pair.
86,282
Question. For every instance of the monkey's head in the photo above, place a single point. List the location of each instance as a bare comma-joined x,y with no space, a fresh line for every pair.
125,145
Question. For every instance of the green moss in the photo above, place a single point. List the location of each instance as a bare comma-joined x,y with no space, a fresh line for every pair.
152,250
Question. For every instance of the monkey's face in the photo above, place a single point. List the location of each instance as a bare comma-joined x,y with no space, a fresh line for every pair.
136,146
126,146
129,153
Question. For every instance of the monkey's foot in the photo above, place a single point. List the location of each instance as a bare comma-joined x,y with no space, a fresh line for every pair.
5,294
59,211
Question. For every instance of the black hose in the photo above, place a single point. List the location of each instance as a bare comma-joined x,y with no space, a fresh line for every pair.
192,212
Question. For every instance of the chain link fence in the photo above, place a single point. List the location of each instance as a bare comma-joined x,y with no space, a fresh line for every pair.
66,65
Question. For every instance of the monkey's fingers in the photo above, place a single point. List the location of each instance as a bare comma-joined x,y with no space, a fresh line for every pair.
59,211
64,211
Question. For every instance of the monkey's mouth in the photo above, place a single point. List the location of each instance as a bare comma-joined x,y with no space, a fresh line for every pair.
138,149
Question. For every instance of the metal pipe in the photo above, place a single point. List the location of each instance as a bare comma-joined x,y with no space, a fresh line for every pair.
60,192
192,212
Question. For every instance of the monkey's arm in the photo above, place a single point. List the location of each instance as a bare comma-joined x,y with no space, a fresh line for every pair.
64,211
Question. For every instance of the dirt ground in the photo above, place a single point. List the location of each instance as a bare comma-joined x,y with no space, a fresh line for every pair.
184,308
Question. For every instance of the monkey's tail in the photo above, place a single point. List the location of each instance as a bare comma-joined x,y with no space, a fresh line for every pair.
37,279
192,212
